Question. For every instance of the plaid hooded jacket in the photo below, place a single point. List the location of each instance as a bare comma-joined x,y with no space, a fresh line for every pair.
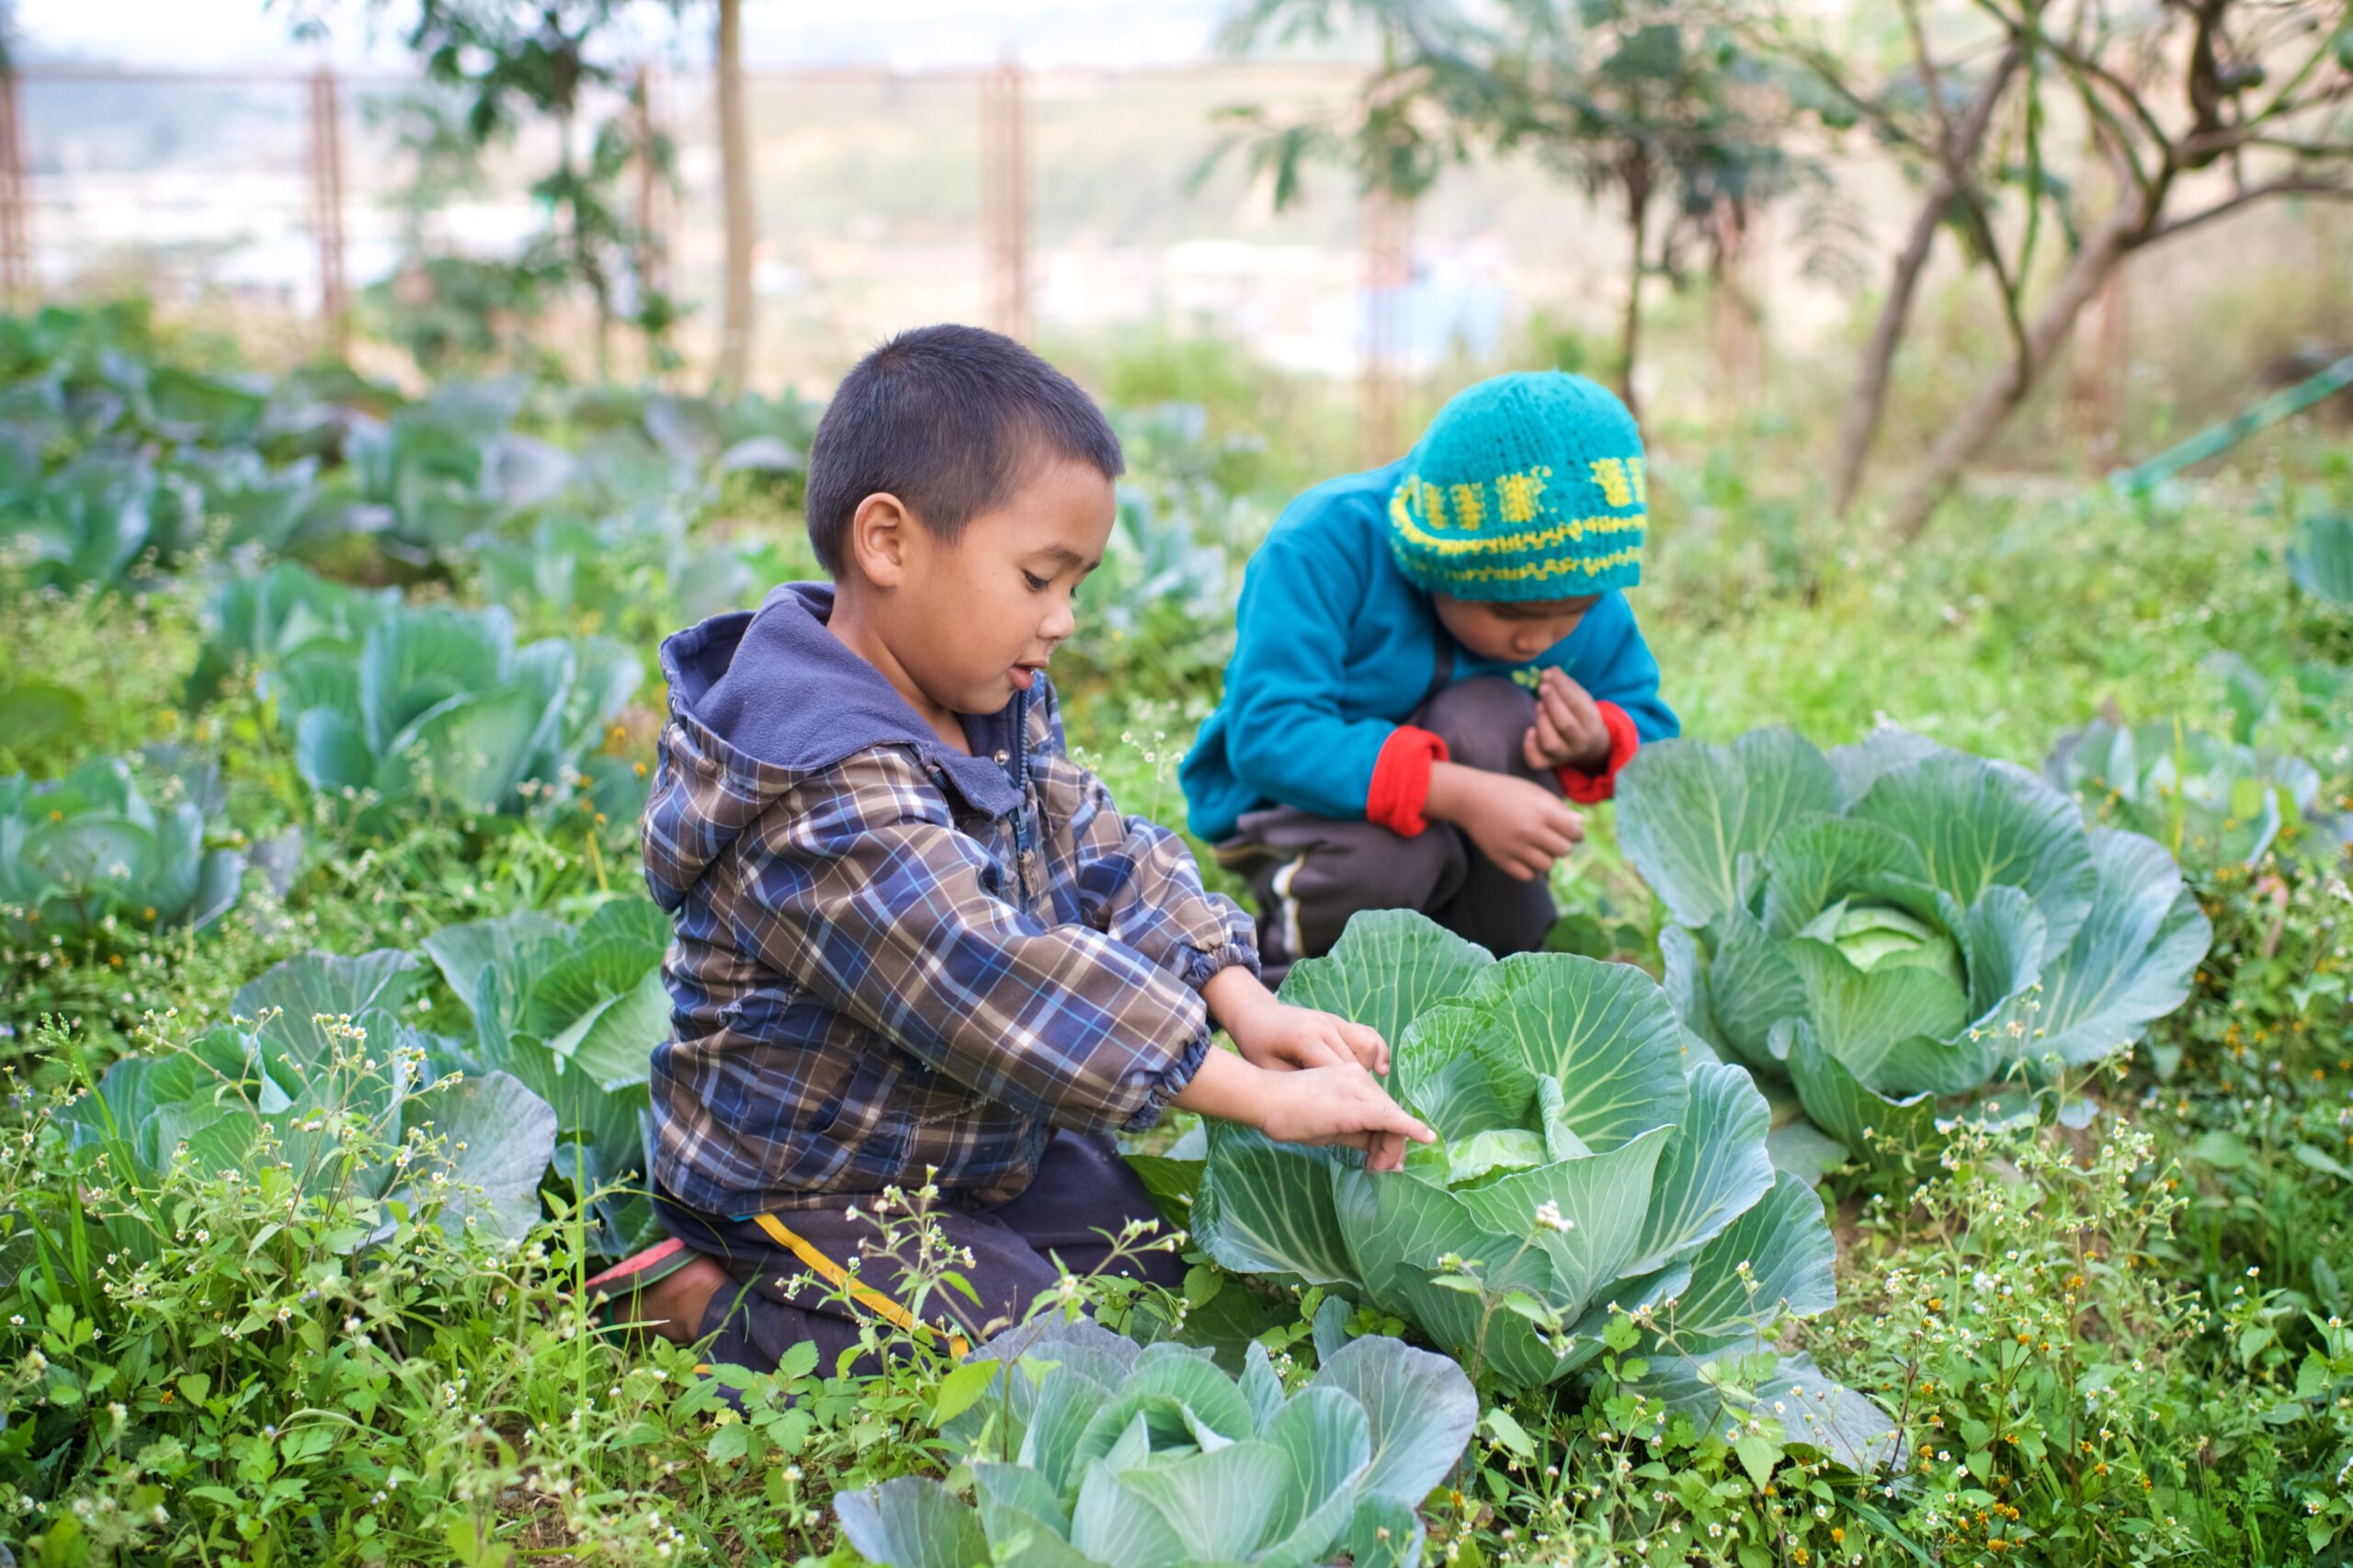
891,954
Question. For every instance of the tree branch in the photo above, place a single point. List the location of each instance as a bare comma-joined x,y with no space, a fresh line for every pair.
2085,65
1928,77
2289,186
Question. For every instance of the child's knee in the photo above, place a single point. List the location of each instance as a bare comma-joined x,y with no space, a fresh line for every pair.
1483,721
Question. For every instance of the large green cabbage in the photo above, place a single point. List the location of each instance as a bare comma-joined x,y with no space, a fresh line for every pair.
2208,798
1111,1455
320,1074
91,847
443,470
441,704
1894,924
1591,1158
574,1012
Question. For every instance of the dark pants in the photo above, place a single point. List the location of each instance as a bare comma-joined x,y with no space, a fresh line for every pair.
786,1265
1308,874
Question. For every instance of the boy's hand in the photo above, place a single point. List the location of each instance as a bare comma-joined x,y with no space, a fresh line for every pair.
1339,1105
1519,824
1568,732
1281,1037
1272,1035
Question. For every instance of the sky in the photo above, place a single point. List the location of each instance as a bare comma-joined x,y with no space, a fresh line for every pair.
904,34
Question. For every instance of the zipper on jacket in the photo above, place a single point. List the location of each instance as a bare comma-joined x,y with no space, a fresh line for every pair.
1021,796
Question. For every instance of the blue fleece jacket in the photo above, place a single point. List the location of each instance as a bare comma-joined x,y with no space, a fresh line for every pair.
1337,648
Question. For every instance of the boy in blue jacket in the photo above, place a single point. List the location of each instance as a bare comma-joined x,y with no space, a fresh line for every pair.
1431,656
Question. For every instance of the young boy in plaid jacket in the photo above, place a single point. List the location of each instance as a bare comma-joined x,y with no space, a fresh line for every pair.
917,946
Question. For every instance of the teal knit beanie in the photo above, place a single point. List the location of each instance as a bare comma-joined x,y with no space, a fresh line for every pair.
1525,486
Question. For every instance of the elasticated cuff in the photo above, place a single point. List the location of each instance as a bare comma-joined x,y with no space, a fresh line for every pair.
1198,966
1592,788
1401,780
1171,1083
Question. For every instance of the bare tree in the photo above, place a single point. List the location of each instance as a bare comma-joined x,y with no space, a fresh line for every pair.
1950,147
2192,92
2259,93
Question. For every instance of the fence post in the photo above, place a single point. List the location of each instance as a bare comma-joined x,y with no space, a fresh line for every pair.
650,250
327,209
16,225
1004,197
1386,224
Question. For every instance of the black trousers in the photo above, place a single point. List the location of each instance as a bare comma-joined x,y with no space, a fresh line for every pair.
1308,874
789,1266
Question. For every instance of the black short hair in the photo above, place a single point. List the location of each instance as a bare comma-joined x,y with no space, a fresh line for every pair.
948,419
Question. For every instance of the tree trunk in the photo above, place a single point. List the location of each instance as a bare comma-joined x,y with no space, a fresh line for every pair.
1859,429
1733,315
1637,181
735,180
2128,228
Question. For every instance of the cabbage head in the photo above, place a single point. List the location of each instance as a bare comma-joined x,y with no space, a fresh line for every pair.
90,846
574,1012
442,705
1102,1452
2211,801
1591,1157
1895,924
318,1075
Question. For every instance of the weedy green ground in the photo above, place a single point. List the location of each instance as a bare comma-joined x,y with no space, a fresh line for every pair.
2119,1343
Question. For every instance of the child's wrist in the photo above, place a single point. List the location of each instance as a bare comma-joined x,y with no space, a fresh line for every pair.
1452,787
1238,1000
1592,760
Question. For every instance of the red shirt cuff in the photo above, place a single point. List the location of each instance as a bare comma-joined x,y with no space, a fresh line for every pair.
1592,788
1401,780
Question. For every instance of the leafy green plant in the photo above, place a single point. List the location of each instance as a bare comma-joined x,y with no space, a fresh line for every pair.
621,573
1591,1161
197,1364
35,715
1153,1458
99,520
752,433
2205,798
320,1077
273,510
575,1014
2320,557
441,706
2071,1397
1897,923
89,850
439,472
299,632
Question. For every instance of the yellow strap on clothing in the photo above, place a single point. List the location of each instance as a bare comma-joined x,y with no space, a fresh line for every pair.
834,1274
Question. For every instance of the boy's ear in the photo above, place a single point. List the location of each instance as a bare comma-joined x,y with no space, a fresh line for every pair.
881,531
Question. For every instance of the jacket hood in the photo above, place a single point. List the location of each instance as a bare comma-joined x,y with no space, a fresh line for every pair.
762,699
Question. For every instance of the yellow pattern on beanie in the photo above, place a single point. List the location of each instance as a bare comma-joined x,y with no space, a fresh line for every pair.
1525,486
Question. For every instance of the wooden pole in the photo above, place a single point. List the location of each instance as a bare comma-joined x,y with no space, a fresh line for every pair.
16,227
326,209
1004,197
651,269
735,184
1386,224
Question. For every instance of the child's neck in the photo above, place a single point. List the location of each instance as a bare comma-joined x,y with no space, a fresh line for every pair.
860,628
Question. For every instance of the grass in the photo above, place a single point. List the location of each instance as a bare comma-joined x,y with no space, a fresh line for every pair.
443,1398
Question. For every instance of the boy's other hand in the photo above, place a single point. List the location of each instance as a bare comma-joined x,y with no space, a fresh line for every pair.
1285,1037
1568,732
1277,1037
1339,1104
1519,824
